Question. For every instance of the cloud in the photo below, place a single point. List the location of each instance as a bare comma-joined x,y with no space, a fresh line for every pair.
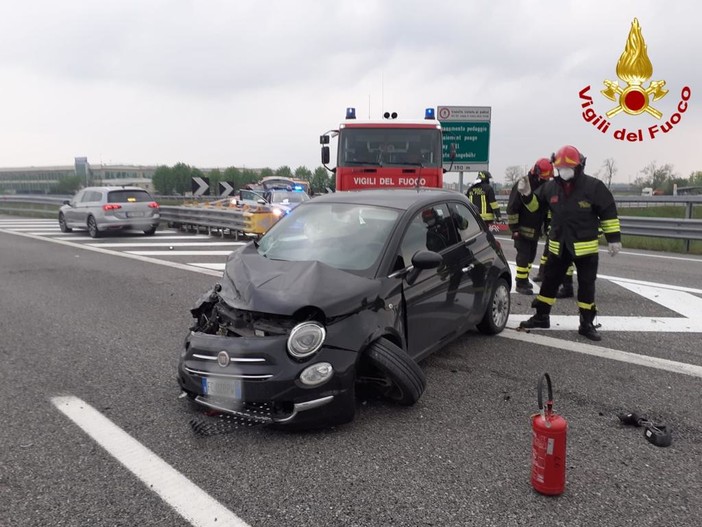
222,83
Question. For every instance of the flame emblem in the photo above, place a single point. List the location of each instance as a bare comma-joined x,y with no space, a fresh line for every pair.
634,67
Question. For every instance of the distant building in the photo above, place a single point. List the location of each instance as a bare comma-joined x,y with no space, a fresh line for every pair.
44,180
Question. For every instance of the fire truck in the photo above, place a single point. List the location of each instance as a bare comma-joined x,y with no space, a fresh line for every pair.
386,153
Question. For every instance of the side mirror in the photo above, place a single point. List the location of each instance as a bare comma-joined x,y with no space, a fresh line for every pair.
423,260
323,139
325,155
66,202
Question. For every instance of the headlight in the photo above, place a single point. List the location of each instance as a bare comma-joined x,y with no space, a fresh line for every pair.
305,339
277,212
316,374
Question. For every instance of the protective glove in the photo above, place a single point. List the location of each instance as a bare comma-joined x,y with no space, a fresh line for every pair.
614,248
523,186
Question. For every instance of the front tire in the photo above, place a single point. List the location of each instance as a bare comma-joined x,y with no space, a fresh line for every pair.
497,311
150,231
62,223
403,381
93,228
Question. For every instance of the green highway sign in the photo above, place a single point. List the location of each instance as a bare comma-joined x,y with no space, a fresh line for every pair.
468,128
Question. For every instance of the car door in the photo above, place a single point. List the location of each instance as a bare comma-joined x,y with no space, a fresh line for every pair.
435,306
474,255
88,202
71,212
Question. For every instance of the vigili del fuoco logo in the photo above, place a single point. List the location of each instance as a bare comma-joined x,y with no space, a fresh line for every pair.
634,97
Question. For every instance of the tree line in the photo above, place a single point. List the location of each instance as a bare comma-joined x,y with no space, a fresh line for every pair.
659,177
178,178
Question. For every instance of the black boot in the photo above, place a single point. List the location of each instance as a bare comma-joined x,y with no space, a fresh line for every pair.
587,328
566,289
541,319
524,286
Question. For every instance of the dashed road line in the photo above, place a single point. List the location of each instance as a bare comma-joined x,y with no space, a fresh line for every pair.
186,498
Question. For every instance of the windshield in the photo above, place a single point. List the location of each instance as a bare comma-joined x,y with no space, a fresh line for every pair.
390,146
345,236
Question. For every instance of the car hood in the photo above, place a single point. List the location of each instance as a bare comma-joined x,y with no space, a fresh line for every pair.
254,283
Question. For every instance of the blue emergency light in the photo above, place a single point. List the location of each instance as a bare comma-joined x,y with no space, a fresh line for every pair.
429,113
350,113
297,188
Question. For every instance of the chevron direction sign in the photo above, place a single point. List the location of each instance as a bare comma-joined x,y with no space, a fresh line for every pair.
226,188
200,186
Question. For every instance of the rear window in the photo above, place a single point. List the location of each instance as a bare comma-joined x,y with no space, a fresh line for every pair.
128,196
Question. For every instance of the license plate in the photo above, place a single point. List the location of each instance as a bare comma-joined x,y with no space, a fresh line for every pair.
135,214
222,388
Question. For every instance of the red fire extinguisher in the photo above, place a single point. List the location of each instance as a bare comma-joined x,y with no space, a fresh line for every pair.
548,450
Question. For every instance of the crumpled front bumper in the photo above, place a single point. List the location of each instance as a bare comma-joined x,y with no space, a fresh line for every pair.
265,380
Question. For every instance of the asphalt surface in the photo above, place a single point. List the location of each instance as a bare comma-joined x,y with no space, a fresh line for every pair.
108,329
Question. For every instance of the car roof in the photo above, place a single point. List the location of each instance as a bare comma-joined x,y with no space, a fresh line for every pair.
394,198
107,188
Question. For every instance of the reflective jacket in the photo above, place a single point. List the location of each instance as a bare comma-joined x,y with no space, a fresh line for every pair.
579,209
483,197
520,219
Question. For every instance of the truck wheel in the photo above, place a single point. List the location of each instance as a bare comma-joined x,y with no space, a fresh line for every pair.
400,378
497,311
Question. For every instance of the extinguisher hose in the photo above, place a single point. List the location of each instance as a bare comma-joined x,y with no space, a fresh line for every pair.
539,390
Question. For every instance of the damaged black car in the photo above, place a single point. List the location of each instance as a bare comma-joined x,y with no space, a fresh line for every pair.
349,292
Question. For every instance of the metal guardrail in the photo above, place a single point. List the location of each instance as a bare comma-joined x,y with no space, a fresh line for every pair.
683,229
239,221
234,220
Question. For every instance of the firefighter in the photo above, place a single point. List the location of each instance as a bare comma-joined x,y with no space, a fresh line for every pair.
527,226
482,195
580,205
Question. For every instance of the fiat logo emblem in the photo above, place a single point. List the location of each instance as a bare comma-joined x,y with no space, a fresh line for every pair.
223,359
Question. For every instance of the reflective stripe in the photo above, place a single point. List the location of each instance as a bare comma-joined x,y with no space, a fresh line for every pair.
533,205
522,272
583,305
610,226
512,218
528,231
494,205
545,300
554,247
570,270
582,248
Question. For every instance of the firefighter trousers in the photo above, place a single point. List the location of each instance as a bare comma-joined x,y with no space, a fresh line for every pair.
526,252
555,273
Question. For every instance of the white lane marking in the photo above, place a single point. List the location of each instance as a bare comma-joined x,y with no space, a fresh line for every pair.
622,281
688,305
605,353
186,498
166,263
638,255
180,253
35,227
622,324
213,266
202,243
73,237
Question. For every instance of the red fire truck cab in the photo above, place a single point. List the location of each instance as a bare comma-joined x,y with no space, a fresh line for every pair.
386,153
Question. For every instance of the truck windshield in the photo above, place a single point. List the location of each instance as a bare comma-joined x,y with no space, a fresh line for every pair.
390,146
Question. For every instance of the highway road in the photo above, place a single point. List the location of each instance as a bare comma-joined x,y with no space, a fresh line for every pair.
93,431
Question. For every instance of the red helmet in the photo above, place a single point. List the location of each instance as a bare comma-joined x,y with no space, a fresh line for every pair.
568,156
543,169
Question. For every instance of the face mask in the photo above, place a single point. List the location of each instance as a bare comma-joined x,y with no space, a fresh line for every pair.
566,173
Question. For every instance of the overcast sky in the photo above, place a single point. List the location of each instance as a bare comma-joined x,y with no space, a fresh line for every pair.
217,83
